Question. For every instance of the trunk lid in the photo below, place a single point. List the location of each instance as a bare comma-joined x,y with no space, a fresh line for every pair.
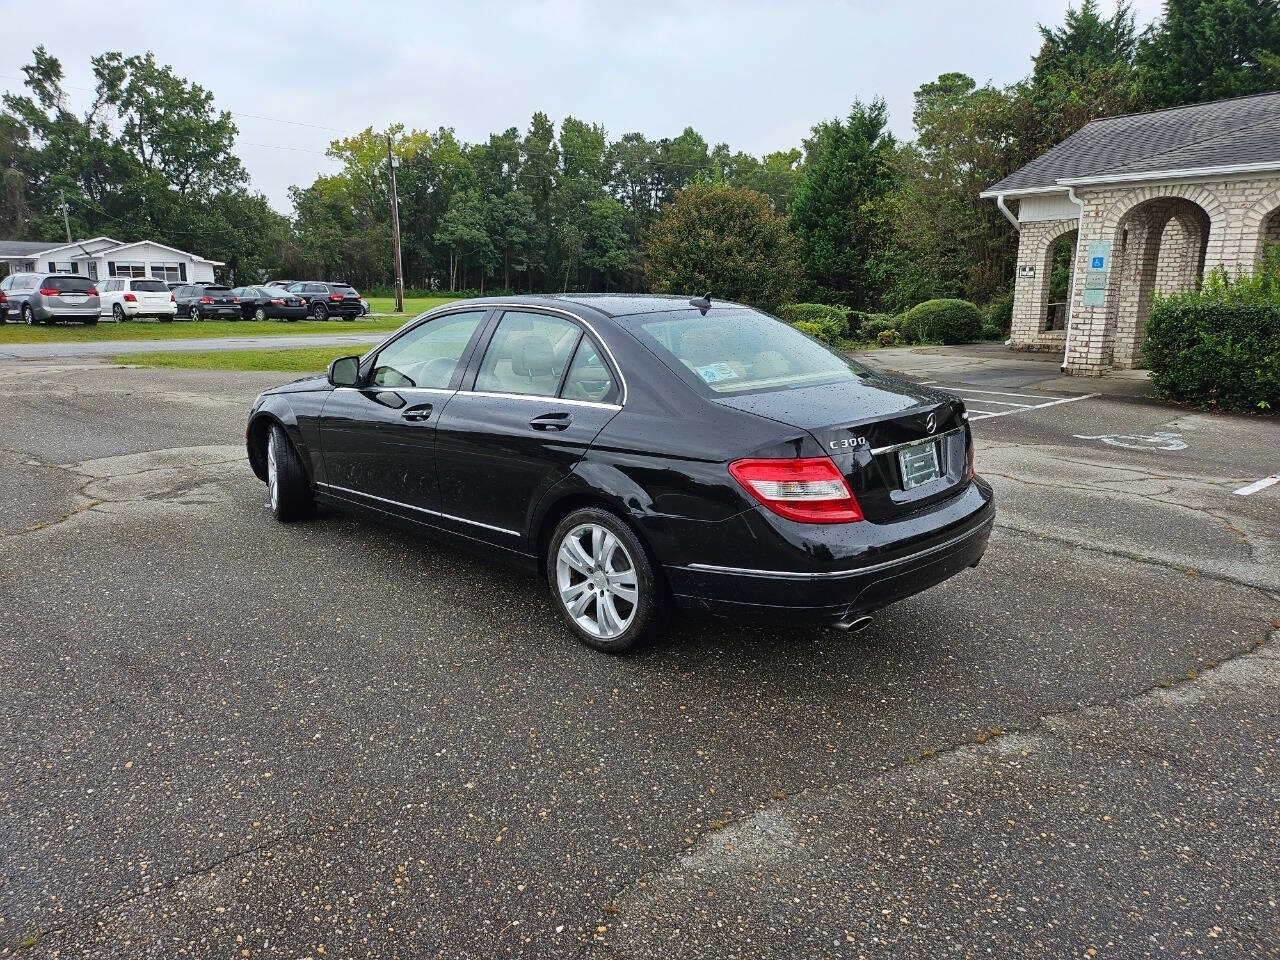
900,446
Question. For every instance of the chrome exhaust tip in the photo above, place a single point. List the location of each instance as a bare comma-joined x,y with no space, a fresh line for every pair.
853,624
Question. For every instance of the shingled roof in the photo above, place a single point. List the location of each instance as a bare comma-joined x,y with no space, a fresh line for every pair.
1240,132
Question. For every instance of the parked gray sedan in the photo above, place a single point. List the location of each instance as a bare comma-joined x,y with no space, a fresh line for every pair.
50,297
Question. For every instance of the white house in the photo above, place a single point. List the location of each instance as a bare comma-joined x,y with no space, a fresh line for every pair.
103,257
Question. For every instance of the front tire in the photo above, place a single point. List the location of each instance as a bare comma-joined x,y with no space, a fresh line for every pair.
287,482
603,583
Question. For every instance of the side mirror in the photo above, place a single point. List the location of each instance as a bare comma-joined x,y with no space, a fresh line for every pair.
344,372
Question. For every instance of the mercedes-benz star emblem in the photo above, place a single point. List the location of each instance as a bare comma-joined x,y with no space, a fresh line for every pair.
932,423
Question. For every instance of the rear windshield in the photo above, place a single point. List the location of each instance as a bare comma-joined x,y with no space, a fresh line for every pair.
214,289
151,286
344,289
68,284
742,351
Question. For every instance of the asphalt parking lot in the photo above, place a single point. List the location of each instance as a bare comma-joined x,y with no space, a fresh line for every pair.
229,738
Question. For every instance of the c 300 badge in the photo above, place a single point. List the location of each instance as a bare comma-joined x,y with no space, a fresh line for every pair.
848,443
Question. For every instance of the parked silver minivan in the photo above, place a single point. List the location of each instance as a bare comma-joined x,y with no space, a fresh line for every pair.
50,297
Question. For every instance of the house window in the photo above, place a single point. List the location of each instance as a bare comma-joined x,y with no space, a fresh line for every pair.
65,267
127,269
169,272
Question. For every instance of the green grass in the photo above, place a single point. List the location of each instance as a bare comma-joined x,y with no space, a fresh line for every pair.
185,330
412,305
284,359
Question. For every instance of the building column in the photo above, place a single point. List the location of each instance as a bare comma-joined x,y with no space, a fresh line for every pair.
1088,352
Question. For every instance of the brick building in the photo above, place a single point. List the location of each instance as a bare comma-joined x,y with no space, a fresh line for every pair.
1131,206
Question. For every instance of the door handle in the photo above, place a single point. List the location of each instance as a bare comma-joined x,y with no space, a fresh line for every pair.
419,411
552,421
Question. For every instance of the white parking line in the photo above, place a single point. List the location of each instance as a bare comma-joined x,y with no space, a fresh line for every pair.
1258,485
1038,406
1001,393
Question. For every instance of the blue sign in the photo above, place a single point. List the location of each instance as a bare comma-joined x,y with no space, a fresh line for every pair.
1098,263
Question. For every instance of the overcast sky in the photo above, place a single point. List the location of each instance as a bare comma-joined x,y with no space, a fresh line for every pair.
755,75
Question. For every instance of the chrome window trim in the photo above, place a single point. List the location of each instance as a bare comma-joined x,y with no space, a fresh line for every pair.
379,388
839,574
543,398
410,506
535,307
912,443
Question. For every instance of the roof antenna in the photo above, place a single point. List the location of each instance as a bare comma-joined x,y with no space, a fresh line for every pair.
703,302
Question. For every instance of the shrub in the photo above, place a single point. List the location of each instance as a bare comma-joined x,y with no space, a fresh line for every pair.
888,338
999,314
943,321
832,321
872,328
1219,347
992,332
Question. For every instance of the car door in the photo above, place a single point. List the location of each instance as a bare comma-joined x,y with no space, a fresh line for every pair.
377,439
541,394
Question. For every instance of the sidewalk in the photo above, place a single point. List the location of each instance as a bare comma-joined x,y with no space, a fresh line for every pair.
97,349
994,364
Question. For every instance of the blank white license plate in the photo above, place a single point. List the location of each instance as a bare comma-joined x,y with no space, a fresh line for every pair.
67,298
919,464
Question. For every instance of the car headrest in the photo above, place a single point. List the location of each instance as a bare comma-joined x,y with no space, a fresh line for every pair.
533,358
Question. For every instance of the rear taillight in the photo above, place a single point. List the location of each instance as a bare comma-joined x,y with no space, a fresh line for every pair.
235,299
3,297
48,292
130,298
278,303
807,489
336,296
206,299
91,292
968,460
172,298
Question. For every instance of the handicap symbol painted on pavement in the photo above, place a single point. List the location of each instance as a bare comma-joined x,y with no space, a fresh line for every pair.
1139,441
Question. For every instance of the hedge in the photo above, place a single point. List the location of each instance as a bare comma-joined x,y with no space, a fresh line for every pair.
943,321
878,324
1211,352
826,322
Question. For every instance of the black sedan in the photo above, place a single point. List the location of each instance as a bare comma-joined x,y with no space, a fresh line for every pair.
269,303
641,453
206,301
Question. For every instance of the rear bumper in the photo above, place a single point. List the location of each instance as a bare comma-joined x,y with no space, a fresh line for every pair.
143,309
830,595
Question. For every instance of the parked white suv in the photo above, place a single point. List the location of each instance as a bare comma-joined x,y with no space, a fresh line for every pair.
124,298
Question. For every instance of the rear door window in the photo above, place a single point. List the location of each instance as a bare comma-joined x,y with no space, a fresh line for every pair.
589,378
527,355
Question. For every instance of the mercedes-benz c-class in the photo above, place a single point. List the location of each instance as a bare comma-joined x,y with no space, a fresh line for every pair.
642,453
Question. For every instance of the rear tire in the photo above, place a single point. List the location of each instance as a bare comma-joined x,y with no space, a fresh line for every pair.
287,482
260,314
117,313
603,583
28,315
195,313
320,312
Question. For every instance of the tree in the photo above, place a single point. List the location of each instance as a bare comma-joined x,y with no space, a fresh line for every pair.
510,225
727,240
1084,70
462,231
839,211
1203,50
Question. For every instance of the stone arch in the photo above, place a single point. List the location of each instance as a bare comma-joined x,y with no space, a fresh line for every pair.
1160,239
1031,284
1055,303
1261,225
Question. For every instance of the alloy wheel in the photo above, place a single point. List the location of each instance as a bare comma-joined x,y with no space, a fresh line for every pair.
28,317
273,472
260,314
195,313
596,580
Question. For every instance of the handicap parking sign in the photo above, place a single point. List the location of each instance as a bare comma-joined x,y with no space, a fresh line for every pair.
1098,263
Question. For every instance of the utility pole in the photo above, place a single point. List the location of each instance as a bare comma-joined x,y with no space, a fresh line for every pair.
395,227
66,218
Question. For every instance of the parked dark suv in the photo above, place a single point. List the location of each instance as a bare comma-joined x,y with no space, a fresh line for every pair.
328,299
206,301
